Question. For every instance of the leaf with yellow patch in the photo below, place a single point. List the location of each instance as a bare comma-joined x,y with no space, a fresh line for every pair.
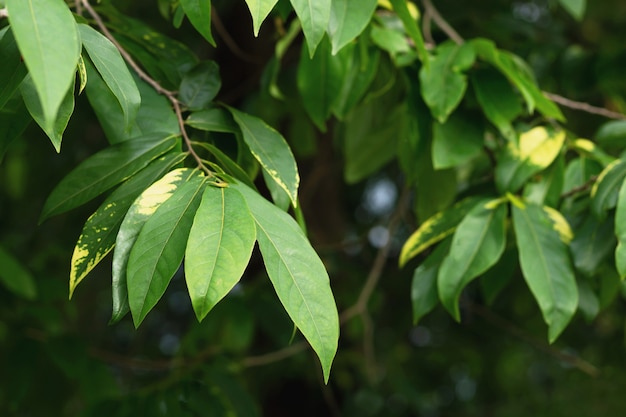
436,229
605,190
99,232
140,211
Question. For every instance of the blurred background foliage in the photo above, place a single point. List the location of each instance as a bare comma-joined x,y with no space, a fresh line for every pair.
61,358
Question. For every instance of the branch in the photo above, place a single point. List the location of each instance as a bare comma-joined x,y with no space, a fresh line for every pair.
580,188
588,108
228,40
170,95
432,12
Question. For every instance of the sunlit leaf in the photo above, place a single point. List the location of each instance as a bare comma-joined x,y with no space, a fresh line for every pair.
259,9
546,267
104,170
100,230
298,275
220,244
477,244
443,82
113,70
271,150
604,191
48,39
591,150
574,7
348,18
409,20
436,229
547,188
140,211
314,16
160,247
620,231
199,14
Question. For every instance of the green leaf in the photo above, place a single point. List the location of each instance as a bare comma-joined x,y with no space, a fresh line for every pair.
100,230
390,40
493,281
140,211
271,150
593,241
200,85
113,71
348,18
620,231
314,16
499,102
319,81
199,14
435,229
518,73
574,7
82,75
579,171
370,138
31,100
46,34
547,188
15,277
424,294
12,70
212,120
160,246
611,133
477,244
298,275
104,170
456,142
589,149
588,301
155,113
219,247
228,165
410,25
14,119
546,267
279,196
443,83
259,9
357,79
535,150
605,190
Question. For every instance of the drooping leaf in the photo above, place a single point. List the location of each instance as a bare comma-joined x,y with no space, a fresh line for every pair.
547,189
259,9
113,70
370,138
105,169
604,191
279,196
443,81
455,142
199,14
424,294
12,70
409,21
574,7
155,113
499,102
298,275
518,73
534,151
589,149
588,302
200,85
546,267
348,18
15,277
314,16
477,244
435,229
31,100
48,39
212,120
271,150
593,241
319,81
140,211
220,244
160,246
100,230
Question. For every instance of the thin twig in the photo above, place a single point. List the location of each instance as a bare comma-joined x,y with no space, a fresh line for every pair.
512,329
584,187
427,27
228,40
588,108
170,95
275,356
442,23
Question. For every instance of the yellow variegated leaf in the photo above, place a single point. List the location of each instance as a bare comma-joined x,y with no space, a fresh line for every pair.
561,225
